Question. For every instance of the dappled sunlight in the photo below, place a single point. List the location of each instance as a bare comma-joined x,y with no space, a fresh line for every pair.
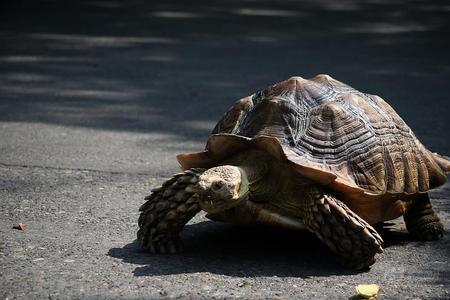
64,92
42,59
104,114
386,28
266,12
206,126
159,58
176,68
394,72
32,84
24,77
175,14
341,5
77,41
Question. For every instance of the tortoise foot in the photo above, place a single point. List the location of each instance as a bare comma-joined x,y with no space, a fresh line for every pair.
422,221
163,244
429,232
343,231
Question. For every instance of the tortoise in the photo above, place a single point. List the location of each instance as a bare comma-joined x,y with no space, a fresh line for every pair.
312,154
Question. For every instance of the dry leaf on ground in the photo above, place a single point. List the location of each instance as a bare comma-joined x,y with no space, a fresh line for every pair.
20,226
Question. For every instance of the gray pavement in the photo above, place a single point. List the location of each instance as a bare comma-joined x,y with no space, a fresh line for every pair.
97,97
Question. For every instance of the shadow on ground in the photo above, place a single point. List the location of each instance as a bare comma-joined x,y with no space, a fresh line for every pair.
236,251
244,252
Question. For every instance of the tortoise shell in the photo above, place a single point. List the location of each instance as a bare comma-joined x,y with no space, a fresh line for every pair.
331,133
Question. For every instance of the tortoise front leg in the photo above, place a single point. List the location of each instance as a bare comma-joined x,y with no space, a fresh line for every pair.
167,210
343,231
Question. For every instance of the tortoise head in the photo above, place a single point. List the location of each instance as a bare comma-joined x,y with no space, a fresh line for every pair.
221,188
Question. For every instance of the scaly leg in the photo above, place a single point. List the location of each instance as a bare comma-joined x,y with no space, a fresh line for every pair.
342,230
167,210
422,221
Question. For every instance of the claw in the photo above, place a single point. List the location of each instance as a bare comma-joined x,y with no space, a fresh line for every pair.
366,235
155,190
325,208
341,211
355,225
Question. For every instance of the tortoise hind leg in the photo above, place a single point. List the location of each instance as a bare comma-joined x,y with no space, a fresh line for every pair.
343,231
167,210
422,221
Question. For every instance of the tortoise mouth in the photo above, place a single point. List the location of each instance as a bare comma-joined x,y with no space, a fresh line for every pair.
215,206
211,204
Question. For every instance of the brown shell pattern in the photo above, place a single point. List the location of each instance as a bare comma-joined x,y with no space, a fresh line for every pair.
326,125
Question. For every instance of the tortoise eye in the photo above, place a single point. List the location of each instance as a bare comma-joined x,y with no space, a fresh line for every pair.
217,185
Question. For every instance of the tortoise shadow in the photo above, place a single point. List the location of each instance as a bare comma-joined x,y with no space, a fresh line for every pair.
241,251
394,234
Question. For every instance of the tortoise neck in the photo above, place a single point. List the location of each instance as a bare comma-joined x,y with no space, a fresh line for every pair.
258,179
253,173
254,165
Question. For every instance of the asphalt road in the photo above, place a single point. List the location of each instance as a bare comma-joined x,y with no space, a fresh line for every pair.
97,97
